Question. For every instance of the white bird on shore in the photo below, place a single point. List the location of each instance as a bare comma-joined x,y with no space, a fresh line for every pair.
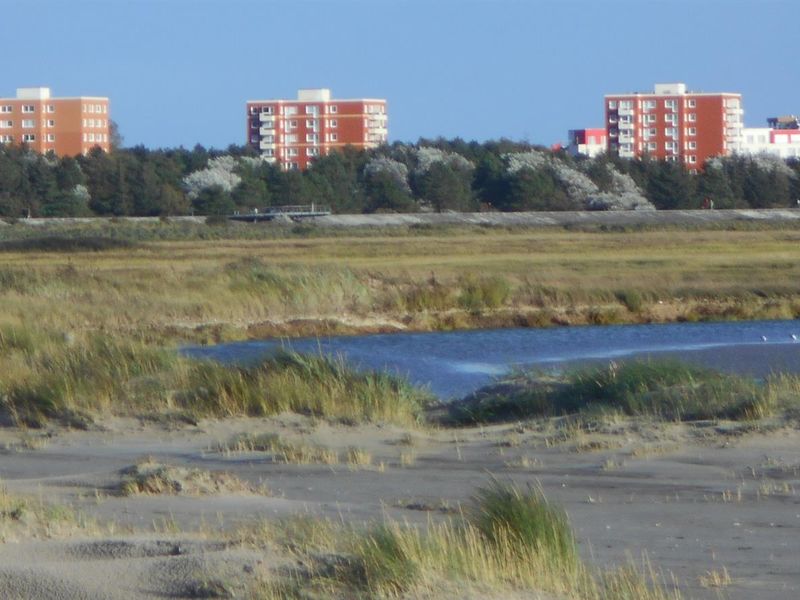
794,337
763,338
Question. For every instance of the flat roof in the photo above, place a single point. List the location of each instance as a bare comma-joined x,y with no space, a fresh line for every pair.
55,98
295,101
673,95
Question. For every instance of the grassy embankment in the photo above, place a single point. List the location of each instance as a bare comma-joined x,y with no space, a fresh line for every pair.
660,390
86,321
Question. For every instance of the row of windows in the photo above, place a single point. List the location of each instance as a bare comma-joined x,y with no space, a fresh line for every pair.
26,108
95,108
31,123
312,138
668,118
671,104
292,110
653,131
95,137
310,124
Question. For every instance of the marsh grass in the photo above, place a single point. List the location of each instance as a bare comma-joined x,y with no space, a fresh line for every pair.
307,384
72,380
659,389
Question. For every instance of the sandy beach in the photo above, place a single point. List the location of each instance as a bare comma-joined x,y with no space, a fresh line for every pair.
694,499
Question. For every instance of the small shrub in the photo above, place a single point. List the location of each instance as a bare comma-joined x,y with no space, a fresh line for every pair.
483,293
631,299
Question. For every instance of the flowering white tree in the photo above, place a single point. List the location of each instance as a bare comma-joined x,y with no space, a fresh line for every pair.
394,168
219,173
428,156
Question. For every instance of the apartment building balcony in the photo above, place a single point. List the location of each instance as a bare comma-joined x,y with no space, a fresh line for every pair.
266,116
625,112
267,145
625,138
267,130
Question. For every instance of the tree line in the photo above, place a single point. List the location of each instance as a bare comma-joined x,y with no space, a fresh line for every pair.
431,175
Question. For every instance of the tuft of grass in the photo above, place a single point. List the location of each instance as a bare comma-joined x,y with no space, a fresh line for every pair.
283,450
526,520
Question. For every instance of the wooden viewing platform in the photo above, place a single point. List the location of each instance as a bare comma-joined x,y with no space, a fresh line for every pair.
292,211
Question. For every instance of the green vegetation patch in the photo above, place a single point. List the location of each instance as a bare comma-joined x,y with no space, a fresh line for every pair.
664,389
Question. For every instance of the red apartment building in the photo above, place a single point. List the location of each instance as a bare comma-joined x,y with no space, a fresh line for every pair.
293,133
673,124
65,126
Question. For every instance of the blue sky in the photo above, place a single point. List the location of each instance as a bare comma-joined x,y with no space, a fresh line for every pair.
178,72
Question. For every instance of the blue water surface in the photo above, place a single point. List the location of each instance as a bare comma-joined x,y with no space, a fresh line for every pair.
452,364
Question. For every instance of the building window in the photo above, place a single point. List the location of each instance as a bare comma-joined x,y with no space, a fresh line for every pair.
6,124
268,152
6,139
268,124
28,108
294,166
651,118
312,151
98,109
291,152
28,137
105,109
50,123
311,124
312,110
6,109
269,139
266,110
334,137
91,108
651,146
291,125
671,118
692,145
51,108
692,159
691,117
290,139
51,137
671,104
612,104
312,137
289,110
670,131
334,123
691,131
732,103
333,109
691,103
649,104
626,104
27,123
